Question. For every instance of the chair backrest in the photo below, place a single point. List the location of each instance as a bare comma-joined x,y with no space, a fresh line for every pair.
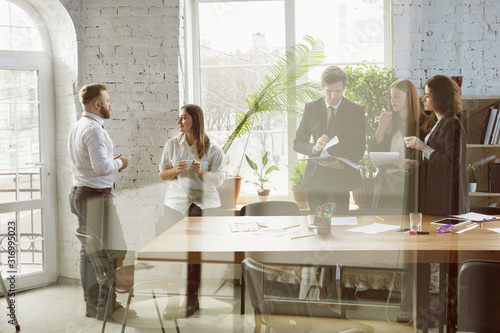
478,296
97,255
271,208
270,297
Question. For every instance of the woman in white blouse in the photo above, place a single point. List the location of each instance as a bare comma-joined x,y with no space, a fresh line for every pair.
193,167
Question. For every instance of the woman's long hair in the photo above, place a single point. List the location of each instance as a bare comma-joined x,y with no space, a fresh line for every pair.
198,129
415,116
445,95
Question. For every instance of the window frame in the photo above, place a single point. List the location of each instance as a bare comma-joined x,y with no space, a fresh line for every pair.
192,72
40,61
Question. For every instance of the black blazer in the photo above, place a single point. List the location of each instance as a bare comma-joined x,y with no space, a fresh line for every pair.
349,127
443,187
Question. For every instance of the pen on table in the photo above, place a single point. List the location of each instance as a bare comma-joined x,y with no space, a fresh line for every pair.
380,218
467,229
297,237
291,226
414,232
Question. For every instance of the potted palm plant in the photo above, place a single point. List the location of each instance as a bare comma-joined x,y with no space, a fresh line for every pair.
278,92
368,84
262,190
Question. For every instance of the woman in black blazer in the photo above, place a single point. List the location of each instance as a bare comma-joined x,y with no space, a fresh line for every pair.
443,173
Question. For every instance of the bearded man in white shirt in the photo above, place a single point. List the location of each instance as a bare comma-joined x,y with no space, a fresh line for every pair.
94,166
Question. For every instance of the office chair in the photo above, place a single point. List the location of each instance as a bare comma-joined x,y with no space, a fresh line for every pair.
277,307
7,298
270,208
478,302
267,208
119,280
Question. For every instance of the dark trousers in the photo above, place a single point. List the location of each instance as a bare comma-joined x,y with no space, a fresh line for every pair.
93,210
171,216
317,198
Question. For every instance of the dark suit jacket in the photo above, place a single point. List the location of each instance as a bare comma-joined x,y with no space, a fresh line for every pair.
443,178
349,127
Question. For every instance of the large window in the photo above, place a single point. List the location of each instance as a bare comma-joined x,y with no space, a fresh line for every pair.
236,42
27,200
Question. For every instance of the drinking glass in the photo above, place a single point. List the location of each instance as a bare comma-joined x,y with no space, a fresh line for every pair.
416,221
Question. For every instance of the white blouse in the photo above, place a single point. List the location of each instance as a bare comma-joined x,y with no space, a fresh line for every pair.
187,188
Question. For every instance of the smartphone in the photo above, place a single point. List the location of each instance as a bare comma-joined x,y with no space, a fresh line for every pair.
402,231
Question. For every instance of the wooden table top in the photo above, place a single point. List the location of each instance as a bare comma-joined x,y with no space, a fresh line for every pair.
209,239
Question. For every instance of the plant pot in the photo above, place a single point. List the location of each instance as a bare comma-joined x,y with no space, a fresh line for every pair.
299,196
229,192
472,187
363,195
264,194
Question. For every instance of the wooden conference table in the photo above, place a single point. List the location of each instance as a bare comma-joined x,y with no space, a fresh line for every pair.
210,240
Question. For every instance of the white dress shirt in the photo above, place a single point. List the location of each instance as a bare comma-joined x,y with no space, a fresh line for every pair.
187,188
428,150
91,152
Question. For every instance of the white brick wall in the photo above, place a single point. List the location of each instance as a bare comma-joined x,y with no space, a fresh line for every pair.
451,38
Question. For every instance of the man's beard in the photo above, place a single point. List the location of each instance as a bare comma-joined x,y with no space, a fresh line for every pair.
104,112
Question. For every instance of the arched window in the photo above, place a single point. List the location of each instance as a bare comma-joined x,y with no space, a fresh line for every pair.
18,30
27,188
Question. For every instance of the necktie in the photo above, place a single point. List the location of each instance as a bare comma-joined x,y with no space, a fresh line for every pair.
331,119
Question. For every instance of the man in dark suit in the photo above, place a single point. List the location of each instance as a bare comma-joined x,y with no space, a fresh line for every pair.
323,120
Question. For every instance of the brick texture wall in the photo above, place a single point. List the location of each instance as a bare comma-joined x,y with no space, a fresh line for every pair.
448,37
133,47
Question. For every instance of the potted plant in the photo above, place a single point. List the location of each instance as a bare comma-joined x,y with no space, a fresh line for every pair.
368,84
261,173
472,177
278,92
299,194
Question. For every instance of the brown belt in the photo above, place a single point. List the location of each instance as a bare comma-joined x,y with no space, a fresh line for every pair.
91,189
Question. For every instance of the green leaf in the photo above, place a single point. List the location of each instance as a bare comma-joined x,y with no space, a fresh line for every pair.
264,159
271,169
251,163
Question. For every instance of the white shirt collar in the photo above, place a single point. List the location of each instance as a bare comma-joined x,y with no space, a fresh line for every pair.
93,116
336,107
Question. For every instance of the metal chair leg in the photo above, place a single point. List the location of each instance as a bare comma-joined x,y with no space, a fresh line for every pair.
107,307
158,311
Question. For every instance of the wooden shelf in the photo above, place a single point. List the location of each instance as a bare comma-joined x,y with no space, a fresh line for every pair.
480,97
479,145
483,194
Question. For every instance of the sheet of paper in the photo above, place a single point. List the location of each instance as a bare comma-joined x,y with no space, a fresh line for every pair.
333,141
374,228
476,217
384,158
495,230
348,220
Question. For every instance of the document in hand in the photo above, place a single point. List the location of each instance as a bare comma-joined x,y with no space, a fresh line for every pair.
327,157
384,158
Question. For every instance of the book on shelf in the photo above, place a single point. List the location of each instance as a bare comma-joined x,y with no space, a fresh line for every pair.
488,127
493,128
